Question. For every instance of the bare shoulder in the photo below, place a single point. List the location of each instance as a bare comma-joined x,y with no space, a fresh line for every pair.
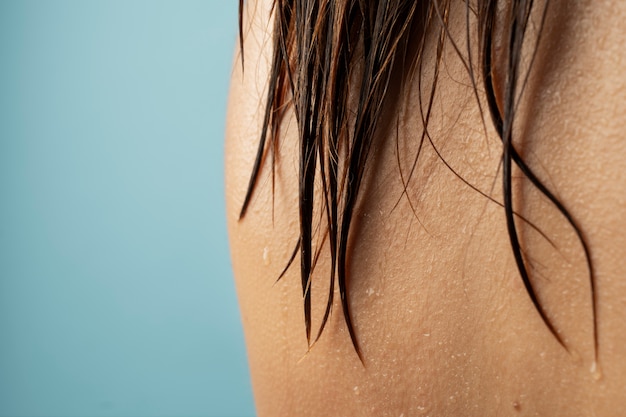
445,325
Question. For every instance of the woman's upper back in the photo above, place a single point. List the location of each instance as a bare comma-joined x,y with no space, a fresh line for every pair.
444,324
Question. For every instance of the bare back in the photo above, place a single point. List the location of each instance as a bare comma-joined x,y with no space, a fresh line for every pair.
444,323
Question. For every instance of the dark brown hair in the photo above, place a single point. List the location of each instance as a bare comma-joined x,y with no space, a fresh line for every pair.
332,65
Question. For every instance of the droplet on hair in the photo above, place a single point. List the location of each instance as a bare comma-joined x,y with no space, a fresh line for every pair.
596,372
266,256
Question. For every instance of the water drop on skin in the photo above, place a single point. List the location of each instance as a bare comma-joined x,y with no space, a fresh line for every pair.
596,372
266,256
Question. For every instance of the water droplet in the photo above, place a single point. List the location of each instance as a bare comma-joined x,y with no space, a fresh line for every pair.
266,256
596,372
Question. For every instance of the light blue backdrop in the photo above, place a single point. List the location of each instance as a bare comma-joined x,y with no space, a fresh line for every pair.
116,293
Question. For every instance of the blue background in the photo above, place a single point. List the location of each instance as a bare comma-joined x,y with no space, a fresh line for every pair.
116,293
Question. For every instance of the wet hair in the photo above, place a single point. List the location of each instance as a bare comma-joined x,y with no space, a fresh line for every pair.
332,64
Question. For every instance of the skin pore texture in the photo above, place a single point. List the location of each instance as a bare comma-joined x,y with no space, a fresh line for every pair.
444,324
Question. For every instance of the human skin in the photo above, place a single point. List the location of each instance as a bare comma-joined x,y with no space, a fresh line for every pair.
444,323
